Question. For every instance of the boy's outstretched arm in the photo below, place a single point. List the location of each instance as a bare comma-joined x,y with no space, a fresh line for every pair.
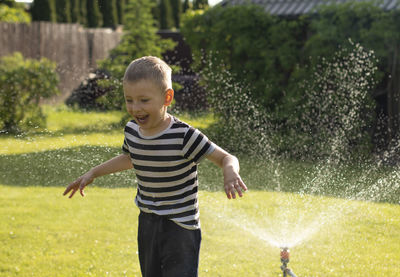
118,163
230,166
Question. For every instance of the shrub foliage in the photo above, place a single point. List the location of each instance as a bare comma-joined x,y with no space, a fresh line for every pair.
263,50
23,83
13,14
272,57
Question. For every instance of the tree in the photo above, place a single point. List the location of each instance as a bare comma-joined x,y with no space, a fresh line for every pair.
176,6
140,39
120,11
165,16
13,14
9,3
200,4
94,18
83,12
44,10
186,6
108,10
63,10
75,11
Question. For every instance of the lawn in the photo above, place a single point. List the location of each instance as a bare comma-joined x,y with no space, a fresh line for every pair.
46,234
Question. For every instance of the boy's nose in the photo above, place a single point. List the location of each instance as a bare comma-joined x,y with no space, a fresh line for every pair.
133,107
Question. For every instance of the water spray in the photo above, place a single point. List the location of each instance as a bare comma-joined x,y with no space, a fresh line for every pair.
285,260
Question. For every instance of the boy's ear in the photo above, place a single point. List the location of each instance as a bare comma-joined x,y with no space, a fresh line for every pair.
169,96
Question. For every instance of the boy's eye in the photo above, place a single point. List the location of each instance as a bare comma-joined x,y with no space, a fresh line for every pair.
128,100
145,100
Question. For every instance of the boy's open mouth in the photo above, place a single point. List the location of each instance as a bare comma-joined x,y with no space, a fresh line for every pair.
142,119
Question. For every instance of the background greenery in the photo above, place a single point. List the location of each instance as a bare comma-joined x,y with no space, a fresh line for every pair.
273,56
101,13
278,61
10,11
23,83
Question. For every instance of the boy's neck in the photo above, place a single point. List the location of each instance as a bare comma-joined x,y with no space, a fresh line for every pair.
162,127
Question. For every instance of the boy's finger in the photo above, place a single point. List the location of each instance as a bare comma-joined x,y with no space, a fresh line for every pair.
81,190
242,184
236,187
239,191
233,192
227,192
68,189
70,186
72,193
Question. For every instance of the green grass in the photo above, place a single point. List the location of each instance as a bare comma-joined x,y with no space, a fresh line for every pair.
46,234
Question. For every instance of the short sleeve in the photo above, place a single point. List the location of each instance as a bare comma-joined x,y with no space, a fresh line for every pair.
125,148
196,146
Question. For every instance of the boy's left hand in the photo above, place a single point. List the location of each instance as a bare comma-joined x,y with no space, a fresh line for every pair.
233,184
230,165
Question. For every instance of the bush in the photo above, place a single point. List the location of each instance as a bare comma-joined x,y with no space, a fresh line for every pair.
242,125
262,49
274,56
330,121
85,96
335,115
13,14
23,83
375,29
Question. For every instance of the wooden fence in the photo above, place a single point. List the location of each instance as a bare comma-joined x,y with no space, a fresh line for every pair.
75,49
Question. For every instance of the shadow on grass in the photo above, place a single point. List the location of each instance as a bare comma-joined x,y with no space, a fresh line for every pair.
88,130
60,167
84,130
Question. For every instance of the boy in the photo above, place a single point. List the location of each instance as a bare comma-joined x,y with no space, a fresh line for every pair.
164,153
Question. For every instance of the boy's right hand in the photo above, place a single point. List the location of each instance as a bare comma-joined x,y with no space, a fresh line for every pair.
80,184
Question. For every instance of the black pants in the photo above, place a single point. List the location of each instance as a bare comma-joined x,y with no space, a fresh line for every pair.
167,249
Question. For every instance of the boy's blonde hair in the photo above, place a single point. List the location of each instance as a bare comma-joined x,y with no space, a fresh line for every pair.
149,68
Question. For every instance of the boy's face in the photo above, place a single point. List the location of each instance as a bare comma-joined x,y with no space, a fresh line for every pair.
147,104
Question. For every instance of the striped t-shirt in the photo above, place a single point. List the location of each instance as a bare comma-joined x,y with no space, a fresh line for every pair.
166,170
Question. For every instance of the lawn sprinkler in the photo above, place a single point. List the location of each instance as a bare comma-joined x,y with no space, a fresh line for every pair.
285,260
